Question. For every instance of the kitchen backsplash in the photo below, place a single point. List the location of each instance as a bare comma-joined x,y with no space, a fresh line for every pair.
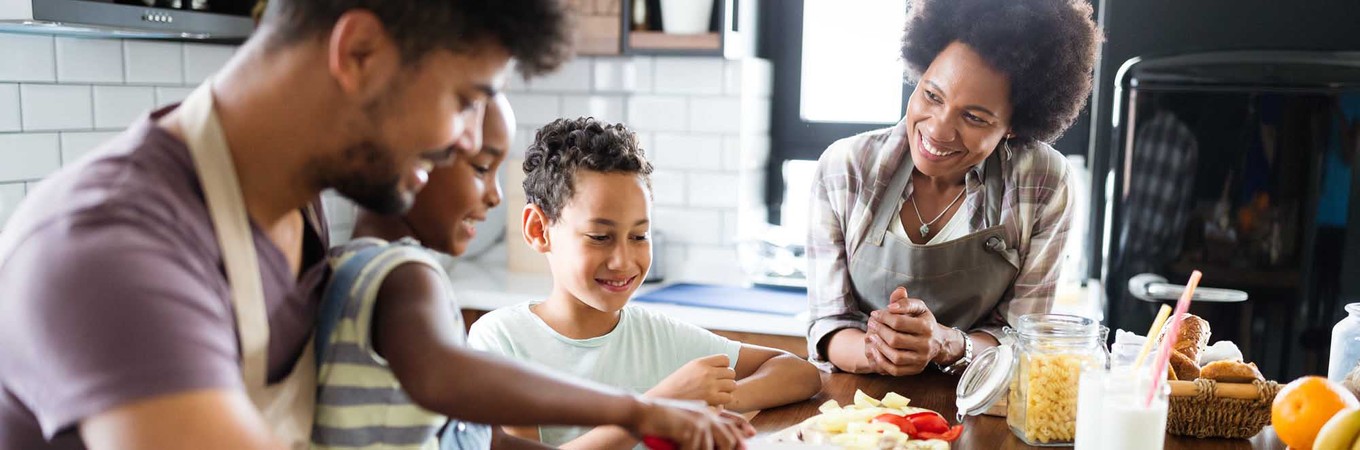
704,122
62,96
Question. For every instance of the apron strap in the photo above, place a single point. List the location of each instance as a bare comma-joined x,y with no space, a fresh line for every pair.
889,201
226,206
995,184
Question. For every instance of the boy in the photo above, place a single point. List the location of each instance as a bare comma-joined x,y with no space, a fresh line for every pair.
589,212
391,341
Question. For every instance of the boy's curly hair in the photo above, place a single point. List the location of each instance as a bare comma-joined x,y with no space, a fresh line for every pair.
1047,48
566,146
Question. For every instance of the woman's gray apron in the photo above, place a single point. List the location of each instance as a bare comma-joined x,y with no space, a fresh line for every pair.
961,281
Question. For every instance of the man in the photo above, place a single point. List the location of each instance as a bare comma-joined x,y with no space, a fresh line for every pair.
162,293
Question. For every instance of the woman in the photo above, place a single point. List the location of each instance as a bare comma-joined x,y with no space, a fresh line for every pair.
927,238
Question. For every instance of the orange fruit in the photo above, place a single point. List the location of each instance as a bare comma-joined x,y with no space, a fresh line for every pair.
1304,406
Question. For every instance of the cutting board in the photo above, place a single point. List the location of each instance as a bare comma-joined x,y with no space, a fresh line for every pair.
784,302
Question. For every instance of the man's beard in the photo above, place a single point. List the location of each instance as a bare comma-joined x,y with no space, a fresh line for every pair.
366,172
376,184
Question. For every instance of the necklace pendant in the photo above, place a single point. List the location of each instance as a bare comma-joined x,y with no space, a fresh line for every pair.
925,230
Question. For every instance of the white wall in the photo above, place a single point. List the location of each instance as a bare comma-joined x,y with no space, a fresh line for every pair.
62,96
704,122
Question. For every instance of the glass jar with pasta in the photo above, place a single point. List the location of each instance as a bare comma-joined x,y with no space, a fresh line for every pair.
1051,351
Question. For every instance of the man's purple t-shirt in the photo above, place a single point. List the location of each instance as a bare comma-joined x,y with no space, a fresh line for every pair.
117,291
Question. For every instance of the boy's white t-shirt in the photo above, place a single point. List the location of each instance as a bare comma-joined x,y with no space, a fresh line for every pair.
642,350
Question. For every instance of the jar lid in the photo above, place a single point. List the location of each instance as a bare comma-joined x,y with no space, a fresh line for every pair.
986,380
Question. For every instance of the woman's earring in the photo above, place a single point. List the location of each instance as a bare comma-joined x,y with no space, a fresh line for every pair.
1007,145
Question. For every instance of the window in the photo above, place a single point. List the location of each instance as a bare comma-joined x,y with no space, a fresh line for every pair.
837,73
852,71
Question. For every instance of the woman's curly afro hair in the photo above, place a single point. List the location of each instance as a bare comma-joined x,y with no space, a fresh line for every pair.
1047,48
566,146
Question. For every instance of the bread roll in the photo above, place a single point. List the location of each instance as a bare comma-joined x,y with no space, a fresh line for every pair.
1231,372
1193,337
1185,368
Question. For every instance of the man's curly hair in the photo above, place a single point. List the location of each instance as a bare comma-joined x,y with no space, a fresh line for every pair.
1047,48
537,33
567,146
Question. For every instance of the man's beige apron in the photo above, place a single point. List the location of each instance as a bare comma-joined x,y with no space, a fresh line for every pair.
287,406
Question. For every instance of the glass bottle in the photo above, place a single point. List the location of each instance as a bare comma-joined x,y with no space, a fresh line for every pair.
1051,352
1345,353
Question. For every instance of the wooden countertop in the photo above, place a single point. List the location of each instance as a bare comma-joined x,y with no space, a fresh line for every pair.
935,391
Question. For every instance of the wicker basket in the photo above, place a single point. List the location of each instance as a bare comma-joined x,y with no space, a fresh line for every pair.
1204,408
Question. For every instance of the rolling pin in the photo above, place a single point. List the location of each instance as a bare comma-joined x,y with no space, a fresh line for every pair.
1244,391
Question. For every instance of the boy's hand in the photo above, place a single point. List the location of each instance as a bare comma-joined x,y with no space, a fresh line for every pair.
691,425
707,379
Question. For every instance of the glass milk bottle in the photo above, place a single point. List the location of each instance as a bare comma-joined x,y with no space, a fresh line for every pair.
1113,412
1038,375
1345,345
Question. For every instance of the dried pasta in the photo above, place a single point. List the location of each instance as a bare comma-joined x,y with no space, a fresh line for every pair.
1043,399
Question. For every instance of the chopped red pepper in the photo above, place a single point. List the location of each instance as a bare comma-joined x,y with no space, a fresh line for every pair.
902,422
948,436
929,422
658,443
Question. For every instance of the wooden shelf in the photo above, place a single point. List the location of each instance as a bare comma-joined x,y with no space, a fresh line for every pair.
643,41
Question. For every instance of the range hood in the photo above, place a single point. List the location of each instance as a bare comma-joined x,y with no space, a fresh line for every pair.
212,20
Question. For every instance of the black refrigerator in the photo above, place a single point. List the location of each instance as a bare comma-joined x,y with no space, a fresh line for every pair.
1243,165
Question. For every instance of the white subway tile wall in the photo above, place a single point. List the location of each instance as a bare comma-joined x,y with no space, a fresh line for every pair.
658,113
202,60
168,95
61,97
717,190
150,62
623,74
116,107
668,187
10,196
83,60
697,226
715,115
698,119
51,107
76,144
688,76
690,115
688,151
606,108
28,157
535,110
27,57
573,76
9,108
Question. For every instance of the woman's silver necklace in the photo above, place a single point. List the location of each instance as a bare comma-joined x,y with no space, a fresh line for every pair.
925,226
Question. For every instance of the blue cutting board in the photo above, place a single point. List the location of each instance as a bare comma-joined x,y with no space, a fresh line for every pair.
785,302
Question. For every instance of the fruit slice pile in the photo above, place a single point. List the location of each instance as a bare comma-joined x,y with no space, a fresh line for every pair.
873,424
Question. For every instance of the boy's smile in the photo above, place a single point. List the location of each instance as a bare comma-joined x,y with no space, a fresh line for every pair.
600,246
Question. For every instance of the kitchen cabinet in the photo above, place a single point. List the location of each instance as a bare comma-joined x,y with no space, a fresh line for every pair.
608,27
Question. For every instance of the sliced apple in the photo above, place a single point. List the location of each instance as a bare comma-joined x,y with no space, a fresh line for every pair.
864,400
895,400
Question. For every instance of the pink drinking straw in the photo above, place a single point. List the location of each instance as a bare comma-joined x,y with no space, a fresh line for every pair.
1163,358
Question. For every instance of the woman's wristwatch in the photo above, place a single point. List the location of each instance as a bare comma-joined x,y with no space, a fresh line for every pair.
963,362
